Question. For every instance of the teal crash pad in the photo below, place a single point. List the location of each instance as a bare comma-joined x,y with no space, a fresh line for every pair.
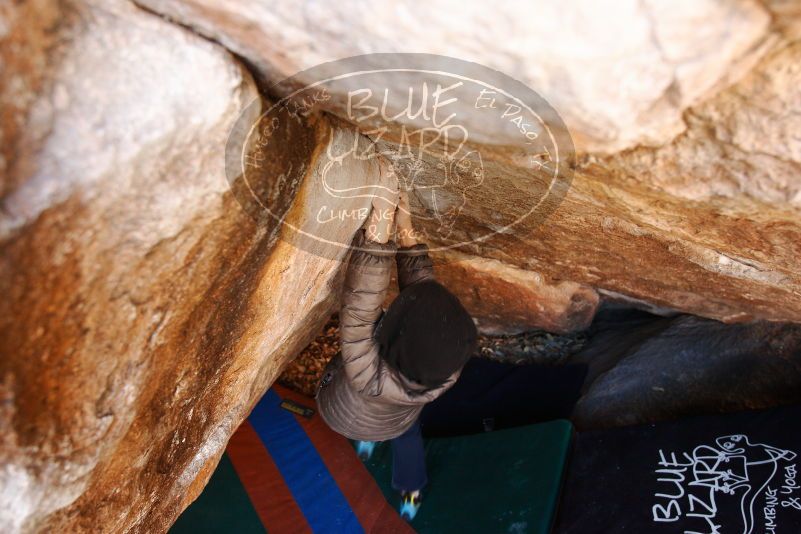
501,481
224,506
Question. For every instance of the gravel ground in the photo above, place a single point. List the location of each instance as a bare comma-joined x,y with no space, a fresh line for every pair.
536,346
303,373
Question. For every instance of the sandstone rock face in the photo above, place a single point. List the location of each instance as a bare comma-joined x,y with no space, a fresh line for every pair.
144,311
505,300
621,72
699,213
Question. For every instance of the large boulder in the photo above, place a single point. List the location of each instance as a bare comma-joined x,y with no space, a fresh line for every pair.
144,311
151,295
621,72
506,300
685,192
644,368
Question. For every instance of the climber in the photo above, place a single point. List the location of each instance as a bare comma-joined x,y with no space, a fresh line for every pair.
393,363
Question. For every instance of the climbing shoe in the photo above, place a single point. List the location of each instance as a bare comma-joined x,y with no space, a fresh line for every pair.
410,504
365,449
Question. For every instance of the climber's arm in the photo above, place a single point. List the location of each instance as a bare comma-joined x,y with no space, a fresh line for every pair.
366,283
365,289
414,264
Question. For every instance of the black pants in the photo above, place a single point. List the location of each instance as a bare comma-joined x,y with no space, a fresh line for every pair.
409,460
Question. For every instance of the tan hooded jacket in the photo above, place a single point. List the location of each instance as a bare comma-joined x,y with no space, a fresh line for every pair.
360,396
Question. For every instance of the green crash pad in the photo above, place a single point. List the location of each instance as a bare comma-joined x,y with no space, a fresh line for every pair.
501,481
223,506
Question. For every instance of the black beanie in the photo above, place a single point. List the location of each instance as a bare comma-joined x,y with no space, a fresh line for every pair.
426,334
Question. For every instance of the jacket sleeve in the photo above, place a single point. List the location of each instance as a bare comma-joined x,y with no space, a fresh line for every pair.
414,265
365,289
